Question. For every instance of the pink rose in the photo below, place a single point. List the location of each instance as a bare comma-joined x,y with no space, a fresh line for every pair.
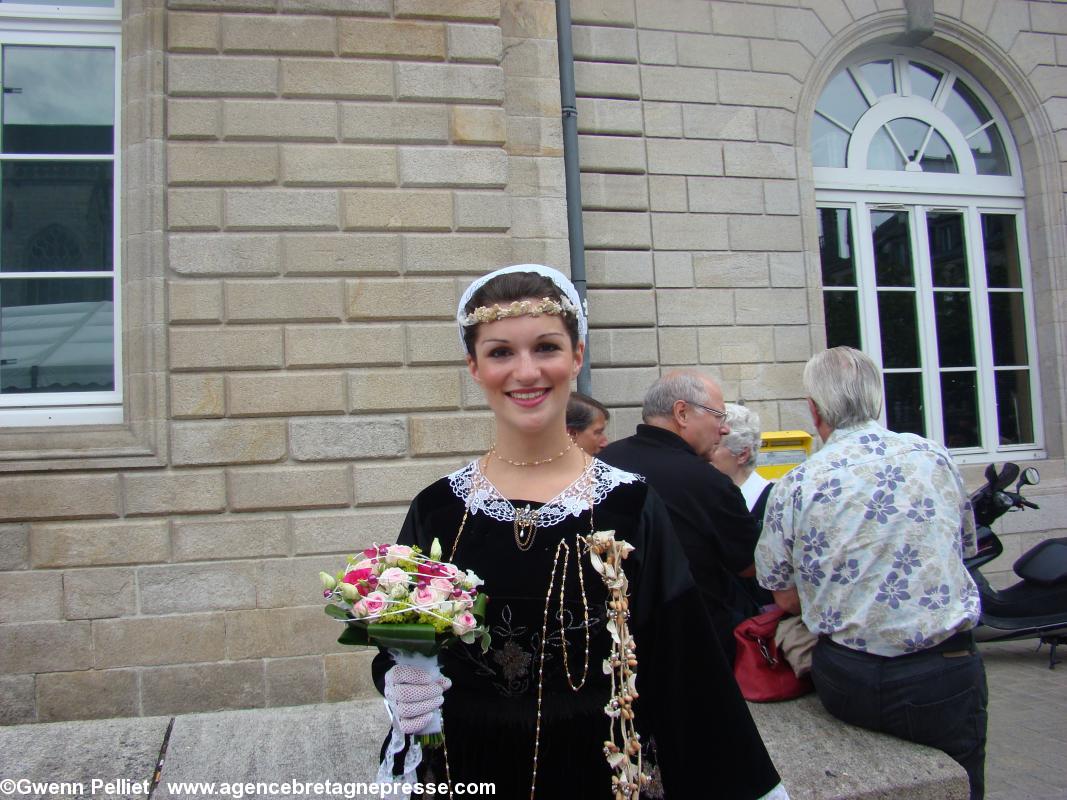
393,576
375,603
359,610
397,552
425,596
464,623
447,571
442,585
463,599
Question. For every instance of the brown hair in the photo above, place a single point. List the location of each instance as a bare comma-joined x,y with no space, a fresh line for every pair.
508,288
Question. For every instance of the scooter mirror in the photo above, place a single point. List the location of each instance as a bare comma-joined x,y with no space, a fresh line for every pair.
1030,477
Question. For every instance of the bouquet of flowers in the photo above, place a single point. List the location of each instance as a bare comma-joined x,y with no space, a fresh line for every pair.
391,595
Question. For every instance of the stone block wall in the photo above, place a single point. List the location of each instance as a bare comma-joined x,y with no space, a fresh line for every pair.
334,175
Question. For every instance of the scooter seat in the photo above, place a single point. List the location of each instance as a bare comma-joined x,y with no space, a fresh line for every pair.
1045,564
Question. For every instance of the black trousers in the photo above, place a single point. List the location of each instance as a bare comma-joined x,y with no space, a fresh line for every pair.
935,697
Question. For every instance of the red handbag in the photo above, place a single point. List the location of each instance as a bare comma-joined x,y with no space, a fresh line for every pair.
762,674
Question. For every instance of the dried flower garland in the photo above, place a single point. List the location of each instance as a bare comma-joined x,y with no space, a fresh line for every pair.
622,748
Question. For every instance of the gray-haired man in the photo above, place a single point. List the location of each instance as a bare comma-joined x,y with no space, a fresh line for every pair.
866,541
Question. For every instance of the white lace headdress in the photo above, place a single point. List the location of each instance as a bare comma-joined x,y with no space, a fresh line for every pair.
554,275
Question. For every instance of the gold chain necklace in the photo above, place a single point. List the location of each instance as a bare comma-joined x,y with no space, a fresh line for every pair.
535,463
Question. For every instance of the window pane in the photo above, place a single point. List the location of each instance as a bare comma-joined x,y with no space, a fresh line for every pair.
1001,251
829,144
879,74
884,154
57,215
58,99
938,157
899,329
990,157
948,255
892,248
904,402
959,409
1007,324
1014,411
835,247
842,319
910,133
56,335
965,109
955,342
842,100
924,80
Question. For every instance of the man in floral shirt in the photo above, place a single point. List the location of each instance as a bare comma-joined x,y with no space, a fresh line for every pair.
866,541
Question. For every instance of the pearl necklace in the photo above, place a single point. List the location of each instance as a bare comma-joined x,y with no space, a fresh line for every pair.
536,463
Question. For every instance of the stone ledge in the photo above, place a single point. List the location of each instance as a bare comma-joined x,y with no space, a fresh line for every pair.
818,757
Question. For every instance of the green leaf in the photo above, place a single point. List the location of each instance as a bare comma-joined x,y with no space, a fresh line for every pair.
336,612
480,602
355,635
417,636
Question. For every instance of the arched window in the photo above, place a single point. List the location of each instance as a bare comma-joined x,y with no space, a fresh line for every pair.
923,250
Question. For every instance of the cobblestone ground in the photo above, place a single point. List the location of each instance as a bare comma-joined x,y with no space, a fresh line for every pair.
1026,753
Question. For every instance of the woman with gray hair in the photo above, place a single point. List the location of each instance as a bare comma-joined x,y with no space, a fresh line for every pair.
737,454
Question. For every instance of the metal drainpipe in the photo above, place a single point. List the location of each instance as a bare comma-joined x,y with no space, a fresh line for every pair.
576,236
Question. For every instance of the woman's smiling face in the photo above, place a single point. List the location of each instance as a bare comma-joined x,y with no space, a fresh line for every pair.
525,366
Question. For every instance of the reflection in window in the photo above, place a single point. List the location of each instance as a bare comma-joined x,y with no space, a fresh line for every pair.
1014,407
924,80
952,317
937,157
56,335
56,211
959,409
990,157
900,330
948,250
58,99
966,110
904,405
1001,246
828,143
1007,323
892,248
879,75
842,101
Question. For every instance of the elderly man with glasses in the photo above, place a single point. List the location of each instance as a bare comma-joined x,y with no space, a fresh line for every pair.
684,420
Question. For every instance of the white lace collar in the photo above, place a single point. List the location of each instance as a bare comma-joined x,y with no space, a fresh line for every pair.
480,495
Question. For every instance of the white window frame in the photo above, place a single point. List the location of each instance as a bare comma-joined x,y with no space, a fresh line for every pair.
75,27
859,207
861,190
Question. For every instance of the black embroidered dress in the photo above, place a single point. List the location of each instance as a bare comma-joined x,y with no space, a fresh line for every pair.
705,741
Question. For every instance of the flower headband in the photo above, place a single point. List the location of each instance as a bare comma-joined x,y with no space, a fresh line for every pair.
568,303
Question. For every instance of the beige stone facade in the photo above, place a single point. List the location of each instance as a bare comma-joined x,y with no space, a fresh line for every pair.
308,187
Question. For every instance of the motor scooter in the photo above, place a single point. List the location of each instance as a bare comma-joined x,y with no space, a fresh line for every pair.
1036,606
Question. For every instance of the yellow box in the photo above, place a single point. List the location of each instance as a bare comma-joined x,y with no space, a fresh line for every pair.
780,451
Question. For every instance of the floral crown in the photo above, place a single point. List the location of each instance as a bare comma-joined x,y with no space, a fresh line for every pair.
520,308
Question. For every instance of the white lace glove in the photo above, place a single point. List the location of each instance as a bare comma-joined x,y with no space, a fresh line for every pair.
414,695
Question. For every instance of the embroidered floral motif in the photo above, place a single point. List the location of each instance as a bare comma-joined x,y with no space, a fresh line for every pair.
513,660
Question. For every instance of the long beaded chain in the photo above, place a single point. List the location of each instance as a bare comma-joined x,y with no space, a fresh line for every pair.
578,542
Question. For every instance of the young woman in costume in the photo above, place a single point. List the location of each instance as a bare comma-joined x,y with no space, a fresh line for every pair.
529,715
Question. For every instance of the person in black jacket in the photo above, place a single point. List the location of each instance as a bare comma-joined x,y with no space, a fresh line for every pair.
684,420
